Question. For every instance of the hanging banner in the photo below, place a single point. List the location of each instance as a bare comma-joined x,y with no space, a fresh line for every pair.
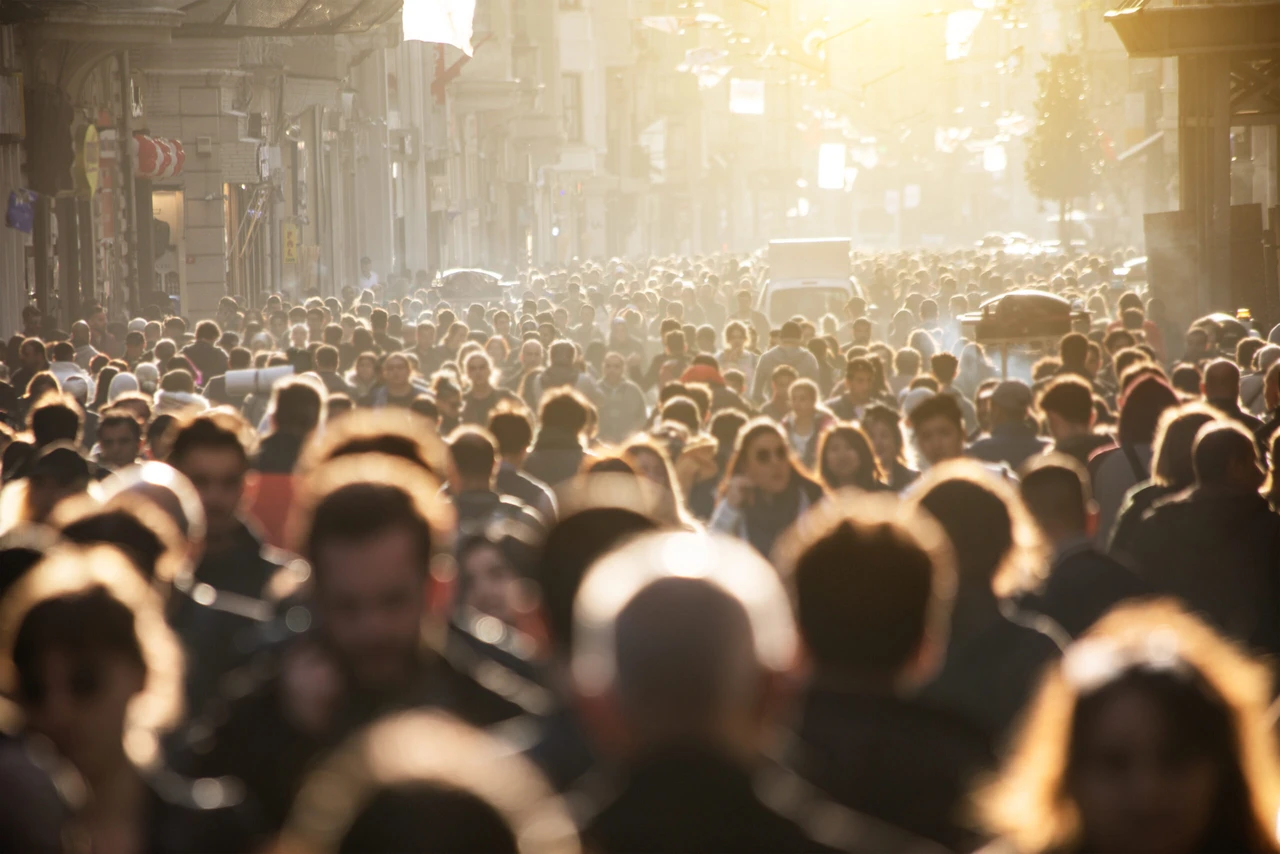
289,238
21,213
87,163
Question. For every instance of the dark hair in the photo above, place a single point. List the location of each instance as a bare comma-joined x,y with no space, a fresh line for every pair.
178,380
864,594
358,512
1069,398
56,418
1218,447
977,522
511,430
859,365
123,528
944,366
207,330
208,431
878,413
564,409
938,406
473,451
88,625
428,818
1057,490
1140,410
869,477
239,358
326,358
114,417
682,411
572,545
296,407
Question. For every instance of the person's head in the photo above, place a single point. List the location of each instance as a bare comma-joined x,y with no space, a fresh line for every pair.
735,335
56,472
673,660
996,543
1150,735
326,358
804,397
1055,489
873,582
1171,463
884,429
1074,350
565,411
846,459
80,334
55,418
1117,340
683,411
119,438
208,331
32,354
366,266
424,782
512,431
370,525
938,426
1140,408
1067,404
859,378
397,373
480,371
781,379
297,406
763,457
212,450
944,367
90,660
474,454
1010,401
1221,383
1224,455
790,334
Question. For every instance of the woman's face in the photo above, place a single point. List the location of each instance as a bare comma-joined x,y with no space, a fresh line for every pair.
79,703
883,440
492,585
364,370
842,459
494,349
803,400
1134,789
768,463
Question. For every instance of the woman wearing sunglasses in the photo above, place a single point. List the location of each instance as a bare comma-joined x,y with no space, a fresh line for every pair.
766,490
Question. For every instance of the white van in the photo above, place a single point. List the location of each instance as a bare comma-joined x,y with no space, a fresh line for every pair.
807,277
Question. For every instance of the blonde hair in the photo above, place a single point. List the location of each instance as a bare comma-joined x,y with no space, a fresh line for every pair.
1028,803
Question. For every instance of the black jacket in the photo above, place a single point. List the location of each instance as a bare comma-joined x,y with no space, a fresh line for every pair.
698,801
898,759
556,457
252,739
1219,552
210,359
1082,586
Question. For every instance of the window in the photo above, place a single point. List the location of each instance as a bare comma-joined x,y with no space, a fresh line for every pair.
571,97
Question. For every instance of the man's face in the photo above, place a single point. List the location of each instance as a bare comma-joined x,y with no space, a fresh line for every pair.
132,351
531,355
278,326
478,371
782,387
939,440
218,476
395,373
30,358
426,336
614,367
860,386
119,444
99,321
501,324
370,601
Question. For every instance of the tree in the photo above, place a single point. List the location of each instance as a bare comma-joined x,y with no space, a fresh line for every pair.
1064,157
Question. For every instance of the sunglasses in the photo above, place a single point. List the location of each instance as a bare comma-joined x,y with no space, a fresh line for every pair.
764,455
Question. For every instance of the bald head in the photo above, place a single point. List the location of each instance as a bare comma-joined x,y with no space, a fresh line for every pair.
80,333
1221,381
681,633
685,662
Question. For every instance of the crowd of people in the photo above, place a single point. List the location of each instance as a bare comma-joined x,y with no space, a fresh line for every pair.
617,562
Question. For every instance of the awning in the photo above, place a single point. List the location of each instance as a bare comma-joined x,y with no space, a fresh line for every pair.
1140,148
285,17
156,157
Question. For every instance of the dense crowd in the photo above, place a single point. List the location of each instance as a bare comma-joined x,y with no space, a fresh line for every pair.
610,560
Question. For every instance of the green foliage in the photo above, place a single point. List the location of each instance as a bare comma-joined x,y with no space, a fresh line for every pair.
1064,157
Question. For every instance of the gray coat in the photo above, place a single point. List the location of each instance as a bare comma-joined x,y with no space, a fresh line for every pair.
798,357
